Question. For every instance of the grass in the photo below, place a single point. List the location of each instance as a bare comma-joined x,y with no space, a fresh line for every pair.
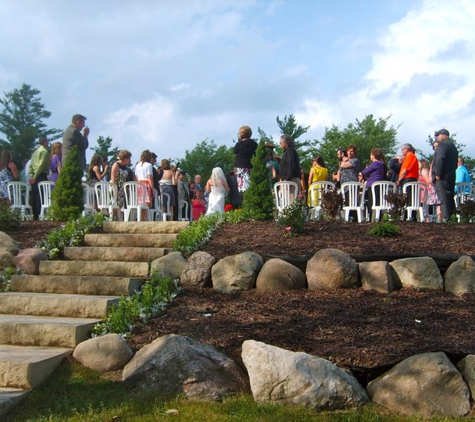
77,394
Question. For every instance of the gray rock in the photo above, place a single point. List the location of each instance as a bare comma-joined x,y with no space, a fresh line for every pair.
173,365
29,260
103,354
170,265
460,276
236,272
467,367
376,275
277,274
425,385
281,376
331,269
8,249
419,273
197,271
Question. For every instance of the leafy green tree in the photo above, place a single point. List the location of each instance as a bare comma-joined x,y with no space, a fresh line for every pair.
104,148
22,122
365,134
206,156
258,199
68,195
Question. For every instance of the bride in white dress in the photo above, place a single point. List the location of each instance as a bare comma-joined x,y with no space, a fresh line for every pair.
218,188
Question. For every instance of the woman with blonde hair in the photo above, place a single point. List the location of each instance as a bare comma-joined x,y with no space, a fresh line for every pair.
244,150
8,172
218,189
55,162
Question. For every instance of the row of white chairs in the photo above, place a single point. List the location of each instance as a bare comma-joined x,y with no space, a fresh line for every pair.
101,196
354,193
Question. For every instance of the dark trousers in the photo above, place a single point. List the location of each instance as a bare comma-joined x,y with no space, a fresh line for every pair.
445,192
35,195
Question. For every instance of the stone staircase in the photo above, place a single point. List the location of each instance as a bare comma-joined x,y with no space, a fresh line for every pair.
45,316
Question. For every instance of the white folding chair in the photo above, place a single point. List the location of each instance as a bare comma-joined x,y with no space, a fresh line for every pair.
134,193
416,193
88,200
380,205
315,193
165,202
19,196
45,189
285,193
353,194
183,208
106,197
463,192
155,211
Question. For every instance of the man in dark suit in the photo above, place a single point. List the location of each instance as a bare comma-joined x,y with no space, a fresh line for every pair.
73,137
443,172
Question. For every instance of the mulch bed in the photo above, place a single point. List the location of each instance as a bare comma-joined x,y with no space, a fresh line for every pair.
364,331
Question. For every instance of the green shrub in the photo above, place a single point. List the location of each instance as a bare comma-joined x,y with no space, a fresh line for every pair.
467,211
152,299
332,204
398,203
6,277
384,228
9,219
68,195
292,218
258,199
71,234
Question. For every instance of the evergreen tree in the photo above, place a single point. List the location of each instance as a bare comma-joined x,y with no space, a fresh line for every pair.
22,122
258,198
104,148
68,194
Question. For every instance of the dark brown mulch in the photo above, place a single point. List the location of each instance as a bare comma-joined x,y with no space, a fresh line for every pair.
365,331
31,232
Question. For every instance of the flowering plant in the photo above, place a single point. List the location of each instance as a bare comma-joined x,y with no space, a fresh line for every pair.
291,219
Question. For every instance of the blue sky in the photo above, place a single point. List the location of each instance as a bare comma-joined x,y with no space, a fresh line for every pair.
165,75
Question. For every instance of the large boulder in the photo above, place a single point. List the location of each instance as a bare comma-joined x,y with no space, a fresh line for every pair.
236,272
467,367
282,376
376,275
8,249
277,274
331,269
420,273
197,271
173,365
170,265
425,385
460,276
29,260
103,354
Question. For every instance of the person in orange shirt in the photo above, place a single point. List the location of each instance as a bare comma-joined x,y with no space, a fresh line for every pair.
410,166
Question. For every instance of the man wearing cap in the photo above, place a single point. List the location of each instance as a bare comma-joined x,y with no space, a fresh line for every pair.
73,137
443,172
38,172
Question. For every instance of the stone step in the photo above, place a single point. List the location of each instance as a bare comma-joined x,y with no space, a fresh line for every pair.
28,367
82,285
57,305
95,268
146,227
10,397
155,240
128,254
27,330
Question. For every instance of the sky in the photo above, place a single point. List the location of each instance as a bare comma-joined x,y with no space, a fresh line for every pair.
165,75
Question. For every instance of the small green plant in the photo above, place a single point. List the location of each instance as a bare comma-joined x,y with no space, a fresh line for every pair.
200,231
6,274
467,211
384,228
71,234
9,219
398,203
152,299
332,204
293,217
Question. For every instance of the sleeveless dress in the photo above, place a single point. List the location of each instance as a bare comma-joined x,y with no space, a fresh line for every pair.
124,174
216,200
320,174
5,177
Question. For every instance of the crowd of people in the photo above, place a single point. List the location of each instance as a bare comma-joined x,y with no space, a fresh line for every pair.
188,199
